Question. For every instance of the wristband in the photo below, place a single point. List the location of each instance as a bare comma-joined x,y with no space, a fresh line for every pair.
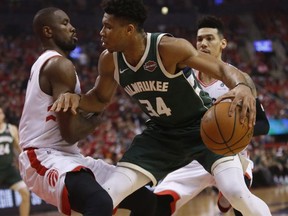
245,84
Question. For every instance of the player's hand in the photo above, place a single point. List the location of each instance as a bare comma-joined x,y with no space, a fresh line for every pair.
241,95
66,101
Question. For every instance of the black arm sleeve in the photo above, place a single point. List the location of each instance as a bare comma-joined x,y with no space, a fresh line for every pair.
262,125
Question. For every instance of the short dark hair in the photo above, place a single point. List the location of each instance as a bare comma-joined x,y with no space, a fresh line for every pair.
210,21
131,10
42,18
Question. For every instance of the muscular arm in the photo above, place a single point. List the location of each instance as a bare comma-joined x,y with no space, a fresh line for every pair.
184,54
250,82
105,86
178,53
58,76
262,125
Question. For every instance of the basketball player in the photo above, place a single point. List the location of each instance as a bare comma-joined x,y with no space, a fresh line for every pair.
184,184
149,68
9,174
51,164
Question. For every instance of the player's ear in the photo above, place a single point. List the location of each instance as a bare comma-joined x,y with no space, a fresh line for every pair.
223,43
47,31
130,29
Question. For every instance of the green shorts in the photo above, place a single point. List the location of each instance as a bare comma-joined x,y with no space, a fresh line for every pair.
159,151
9,176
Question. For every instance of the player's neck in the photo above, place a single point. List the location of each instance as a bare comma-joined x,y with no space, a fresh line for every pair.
136,49
206,79
62,52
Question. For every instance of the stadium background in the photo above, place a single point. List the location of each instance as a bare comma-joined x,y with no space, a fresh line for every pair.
257,36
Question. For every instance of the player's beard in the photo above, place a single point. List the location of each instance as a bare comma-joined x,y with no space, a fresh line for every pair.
67,46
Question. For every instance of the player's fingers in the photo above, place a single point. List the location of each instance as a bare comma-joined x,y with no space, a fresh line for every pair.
53,108
66,102
244,110
234,103
75,99
248,110
224,97
57,105
229,95
252,113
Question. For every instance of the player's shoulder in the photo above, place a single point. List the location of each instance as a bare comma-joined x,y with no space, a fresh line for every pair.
59,63
58,59
107,57
169,40
106,61
105,54
175,49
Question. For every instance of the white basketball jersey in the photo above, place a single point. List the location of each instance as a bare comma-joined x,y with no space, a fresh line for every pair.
38,126
215,89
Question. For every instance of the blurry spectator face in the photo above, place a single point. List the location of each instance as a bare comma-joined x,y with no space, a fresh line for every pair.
210,42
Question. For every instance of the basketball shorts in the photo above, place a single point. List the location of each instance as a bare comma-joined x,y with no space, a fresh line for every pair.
185,183
43,170
160,151
9,176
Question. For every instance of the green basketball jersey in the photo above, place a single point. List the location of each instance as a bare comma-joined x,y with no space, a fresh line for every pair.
6,148
169,100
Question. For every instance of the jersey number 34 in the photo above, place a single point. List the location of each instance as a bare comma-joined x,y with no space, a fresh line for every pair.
160,109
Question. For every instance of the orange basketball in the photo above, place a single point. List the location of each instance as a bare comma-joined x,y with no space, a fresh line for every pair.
222,134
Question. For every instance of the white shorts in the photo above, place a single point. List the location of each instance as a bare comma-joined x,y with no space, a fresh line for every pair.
44,170
187,182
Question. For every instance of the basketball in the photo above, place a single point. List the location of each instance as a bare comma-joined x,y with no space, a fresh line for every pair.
223,134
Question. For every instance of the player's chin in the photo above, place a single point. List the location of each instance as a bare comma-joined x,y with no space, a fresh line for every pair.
107,47
110,50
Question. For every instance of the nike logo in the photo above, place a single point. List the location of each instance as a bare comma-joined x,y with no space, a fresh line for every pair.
122,71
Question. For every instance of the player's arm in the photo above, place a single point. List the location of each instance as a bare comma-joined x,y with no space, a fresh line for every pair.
180,50
15,135
96,99
262,125
57,77
105,86
250,83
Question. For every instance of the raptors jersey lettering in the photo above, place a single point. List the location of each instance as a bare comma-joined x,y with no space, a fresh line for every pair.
38,126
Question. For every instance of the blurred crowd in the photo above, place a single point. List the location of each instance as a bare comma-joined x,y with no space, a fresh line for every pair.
123,119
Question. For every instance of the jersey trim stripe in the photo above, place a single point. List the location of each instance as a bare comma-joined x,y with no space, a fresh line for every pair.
35,163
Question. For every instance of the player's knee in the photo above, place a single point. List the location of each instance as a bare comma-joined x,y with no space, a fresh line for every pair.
98,203
236,194
86,195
